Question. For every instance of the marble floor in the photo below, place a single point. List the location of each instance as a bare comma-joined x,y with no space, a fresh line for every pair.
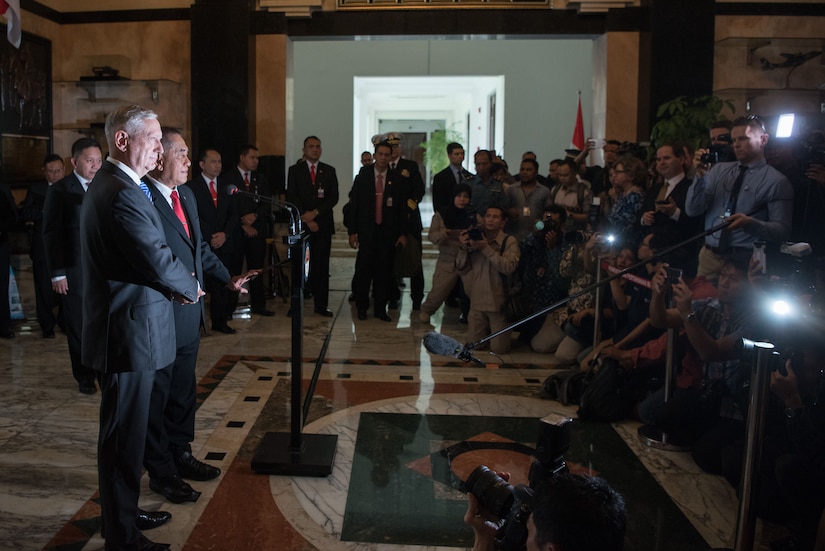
396,411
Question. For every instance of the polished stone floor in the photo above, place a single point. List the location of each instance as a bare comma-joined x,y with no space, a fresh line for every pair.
397,412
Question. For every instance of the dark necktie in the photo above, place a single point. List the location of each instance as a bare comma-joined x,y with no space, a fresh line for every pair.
179,212
725,237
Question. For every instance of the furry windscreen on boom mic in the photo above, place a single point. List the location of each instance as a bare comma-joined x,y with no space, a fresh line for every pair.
443,345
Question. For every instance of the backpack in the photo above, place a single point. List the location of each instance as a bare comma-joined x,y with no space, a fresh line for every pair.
516,300
566,386
607,397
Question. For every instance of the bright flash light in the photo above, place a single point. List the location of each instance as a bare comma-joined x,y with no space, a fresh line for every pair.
784,128
611,238
781,307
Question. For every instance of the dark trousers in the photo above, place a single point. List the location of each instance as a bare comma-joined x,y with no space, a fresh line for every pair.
171,426
253,250
416,282
124,414
5,259
373,266
46,300
72,325
222,301
320,245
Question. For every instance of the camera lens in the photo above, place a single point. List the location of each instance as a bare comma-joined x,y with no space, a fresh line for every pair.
492,491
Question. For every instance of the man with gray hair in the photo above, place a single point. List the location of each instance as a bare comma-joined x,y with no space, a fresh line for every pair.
130,279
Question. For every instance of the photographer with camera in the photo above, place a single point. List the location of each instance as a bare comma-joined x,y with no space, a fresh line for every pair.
445,229
484,260
754,198
567,513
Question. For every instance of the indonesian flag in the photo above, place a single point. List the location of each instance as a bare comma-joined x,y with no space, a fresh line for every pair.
11,9
578,132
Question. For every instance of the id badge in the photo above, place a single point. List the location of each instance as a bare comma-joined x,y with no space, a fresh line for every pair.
525,211
320,193
389,201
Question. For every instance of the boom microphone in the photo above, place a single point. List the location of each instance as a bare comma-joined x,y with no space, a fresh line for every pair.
443,345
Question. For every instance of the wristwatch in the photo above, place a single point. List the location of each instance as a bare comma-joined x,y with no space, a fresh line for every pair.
689,317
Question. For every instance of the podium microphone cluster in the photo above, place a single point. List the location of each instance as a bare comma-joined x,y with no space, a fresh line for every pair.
294,211
436,343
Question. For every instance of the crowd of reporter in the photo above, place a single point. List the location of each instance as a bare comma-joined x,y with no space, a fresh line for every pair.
709,290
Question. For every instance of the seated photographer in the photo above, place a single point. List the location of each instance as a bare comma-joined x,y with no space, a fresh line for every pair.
577,264
707,404
483,260
541,253
568,513
444,231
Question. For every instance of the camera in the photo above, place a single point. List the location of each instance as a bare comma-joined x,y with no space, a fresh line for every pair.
512,505
718,153
475,234
572,237
673,275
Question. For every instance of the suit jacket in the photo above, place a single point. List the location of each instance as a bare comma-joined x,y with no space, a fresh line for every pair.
687,225
31,210
221,218
443,184
193,252
245,204
8,212
301,192
395,216
129,278
410,174
61,230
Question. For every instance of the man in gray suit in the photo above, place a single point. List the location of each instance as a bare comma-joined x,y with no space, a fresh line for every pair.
130,280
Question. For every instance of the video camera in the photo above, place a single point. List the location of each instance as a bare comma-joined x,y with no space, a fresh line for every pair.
512,505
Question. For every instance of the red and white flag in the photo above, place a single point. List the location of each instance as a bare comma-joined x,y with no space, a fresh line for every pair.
578,132
11,9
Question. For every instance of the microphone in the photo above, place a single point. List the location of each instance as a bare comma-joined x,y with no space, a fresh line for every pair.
294,211
443,345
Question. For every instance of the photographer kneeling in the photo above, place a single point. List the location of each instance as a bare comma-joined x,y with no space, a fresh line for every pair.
568,513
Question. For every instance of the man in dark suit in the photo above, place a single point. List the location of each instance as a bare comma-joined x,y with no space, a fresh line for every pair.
408,174
8,218
168,457
312,186
61,239
220,223
130,279
380,222
446,180
254,217
31,210
665,202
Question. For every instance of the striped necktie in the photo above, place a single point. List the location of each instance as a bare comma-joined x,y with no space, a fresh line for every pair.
145,189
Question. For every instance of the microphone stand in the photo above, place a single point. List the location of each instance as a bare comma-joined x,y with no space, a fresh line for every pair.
295,453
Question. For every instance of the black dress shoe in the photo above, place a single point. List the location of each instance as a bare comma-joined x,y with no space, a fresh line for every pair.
383,316
143,544
326,312
6,334
189,467
48,333
223,329
351,297
174,489
87,387
362,315
146,520
263,312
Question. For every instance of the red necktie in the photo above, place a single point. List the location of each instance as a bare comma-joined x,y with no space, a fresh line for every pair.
312,173
179,212
379,198
213,192
246,180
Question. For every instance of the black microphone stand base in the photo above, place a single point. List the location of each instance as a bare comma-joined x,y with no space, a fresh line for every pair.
654,437
316,457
